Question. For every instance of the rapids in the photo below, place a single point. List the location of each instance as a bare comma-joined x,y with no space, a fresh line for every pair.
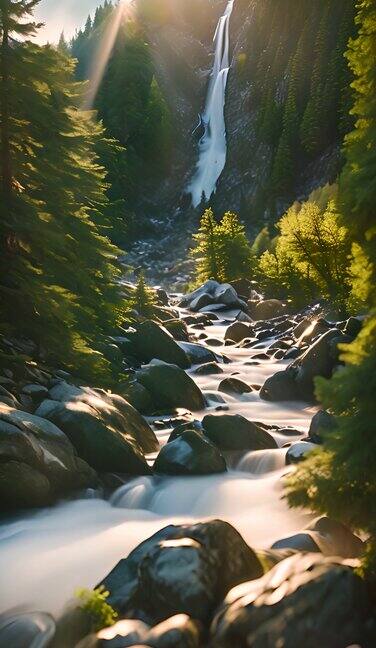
45,556
213,146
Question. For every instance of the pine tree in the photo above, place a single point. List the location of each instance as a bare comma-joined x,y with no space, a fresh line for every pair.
236,255
208,249
59,273
143,299
339,479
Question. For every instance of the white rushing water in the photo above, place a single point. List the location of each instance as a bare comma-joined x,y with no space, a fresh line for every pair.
213,145
46,556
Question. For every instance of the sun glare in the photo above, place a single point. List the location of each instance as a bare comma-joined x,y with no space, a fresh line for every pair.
122,12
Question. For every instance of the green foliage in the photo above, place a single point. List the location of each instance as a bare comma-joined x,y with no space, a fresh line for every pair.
222,250
310,259
142,299
295,61
130,103
58,270
94,603
339,479
207,251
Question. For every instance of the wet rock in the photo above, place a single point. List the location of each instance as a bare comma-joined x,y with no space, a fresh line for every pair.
353,327
180,631
177,632
208,369
181,570
316,361
111,409
305,600
197,353
124,634
36,392
267,309
28,630
196,426
178,330
190,454
154,341
243,287
214,342
322,424
298,452
170,386
137,396
234,386
212,293
106,431
238,331
280,387
37,461
327,536
162,297
234,432
292,353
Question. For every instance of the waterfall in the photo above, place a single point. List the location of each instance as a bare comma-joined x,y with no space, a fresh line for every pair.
213,146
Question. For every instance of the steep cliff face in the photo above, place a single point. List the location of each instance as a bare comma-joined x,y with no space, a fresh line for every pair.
283,140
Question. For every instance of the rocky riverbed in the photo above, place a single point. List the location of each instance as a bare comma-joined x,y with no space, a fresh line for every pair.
170,493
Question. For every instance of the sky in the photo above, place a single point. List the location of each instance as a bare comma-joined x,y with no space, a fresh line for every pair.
63,15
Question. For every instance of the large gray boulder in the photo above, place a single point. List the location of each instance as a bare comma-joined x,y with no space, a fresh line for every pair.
214,293
179,631
280,387
38,463
327,536
105,430
152,340
26,630
238,331
182,569
306,600
198,353
316,361
170,386
190,454
322,423
234,432
268,309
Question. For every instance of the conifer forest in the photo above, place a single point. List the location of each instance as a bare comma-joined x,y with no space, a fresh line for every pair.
188,323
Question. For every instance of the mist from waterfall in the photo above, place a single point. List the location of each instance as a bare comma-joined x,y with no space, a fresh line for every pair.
213,145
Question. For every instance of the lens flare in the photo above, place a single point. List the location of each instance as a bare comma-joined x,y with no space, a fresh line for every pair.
122,12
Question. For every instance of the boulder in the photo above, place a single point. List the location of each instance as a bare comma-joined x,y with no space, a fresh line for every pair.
194,425
177,632
190,454
322,424
299,451
178,330
37,461
234,386
208,369
326,536
152,340
26,630
280,387
197,353
113,410
268,309
306,600
238,331
105,430
353,326
137,396
181,569
316,361
234,432
212,293
170,386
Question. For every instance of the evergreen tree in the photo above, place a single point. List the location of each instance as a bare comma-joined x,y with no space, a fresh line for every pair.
143,299
236,255
339,478
59,272
208,249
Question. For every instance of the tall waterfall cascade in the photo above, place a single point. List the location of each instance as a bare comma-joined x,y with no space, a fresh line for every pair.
213,145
